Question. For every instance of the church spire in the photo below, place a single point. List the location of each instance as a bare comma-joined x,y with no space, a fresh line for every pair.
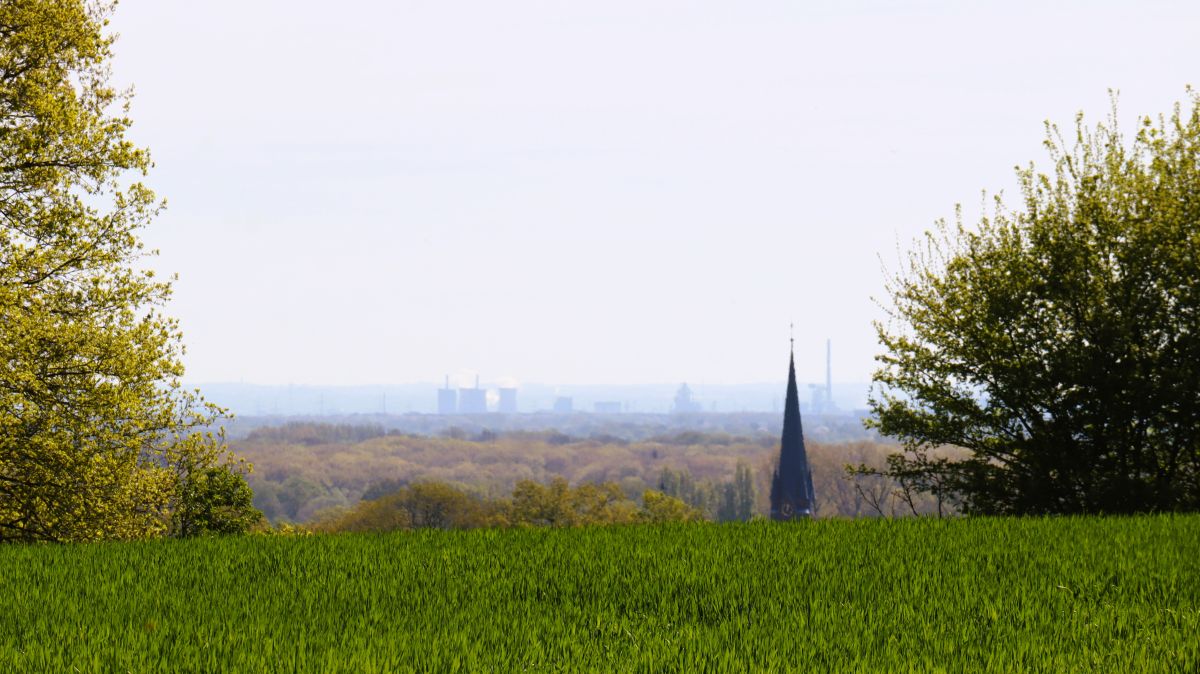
791,489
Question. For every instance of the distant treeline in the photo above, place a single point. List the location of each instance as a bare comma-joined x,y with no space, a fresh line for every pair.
306,472
437,505
631,426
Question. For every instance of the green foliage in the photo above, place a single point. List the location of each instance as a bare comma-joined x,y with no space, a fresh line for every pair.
433,505
301,470
94,429
918,595
318,434
295,493
730,501
436,505
543,506
215,500
558,505
424,505
658,508
1059,345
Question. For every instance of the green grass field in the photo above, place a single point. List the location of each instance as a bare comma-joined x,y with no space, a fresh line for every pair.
1037,595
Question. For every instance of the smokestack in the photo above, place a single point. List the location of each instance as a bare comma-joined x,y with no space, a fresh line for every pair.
476,381
829,372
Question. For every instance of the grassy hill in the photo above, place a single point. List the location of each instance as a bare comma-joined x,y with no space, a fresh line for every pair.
1037,595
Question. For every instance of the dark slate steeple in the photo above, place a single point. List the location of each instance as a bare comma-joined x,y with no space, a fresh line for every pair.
791,489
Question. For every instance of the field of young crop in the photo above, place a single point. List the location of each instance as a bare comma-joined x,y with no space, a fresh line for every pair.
1035,595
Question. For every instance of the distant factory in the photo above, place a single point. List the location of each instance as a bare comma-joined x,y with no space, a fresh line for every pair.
822,396
508,401
684,404
474,400
447,399
503,397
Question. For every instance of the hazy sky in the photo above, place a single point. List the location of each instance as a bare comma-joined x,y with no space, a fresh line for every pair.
589,192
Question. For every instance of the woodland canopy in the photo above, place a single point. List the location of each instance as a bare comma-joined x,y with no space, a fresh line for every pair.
304,472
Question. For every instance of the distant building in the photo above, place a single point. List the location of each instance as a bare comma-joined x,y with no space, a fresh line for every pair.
447,400
822,396
791,487
829,375
817,403
472,400
683,401
508,401
607,407
564,405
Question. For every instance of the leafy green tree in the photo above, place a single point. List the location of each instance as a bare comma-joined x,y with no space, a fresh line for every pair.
440,506
558,505
540,505
736,497
743,488
266,499
93,423
295,493
604,503
422,505
215,500
380,514
727,505
658,508
1059,344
